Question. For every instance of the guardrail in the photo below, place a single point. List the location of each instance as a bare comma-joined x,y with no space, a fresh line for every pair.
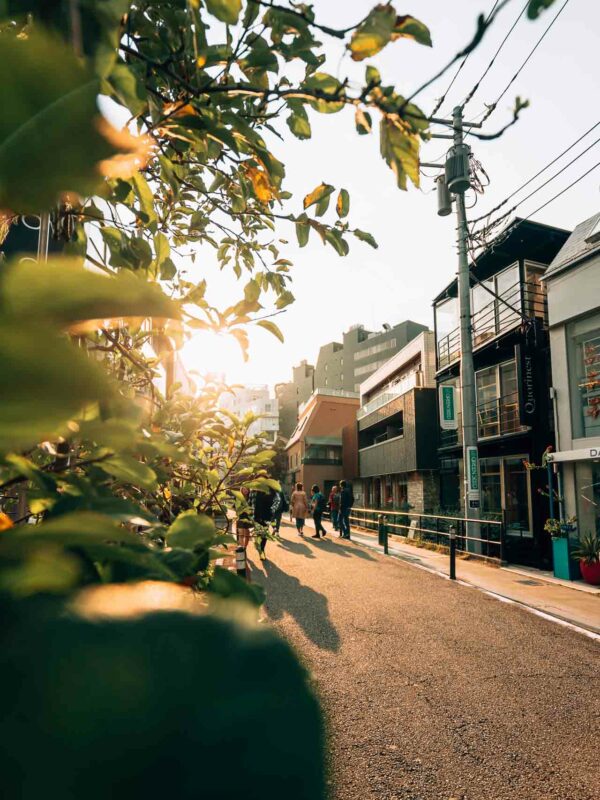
437,529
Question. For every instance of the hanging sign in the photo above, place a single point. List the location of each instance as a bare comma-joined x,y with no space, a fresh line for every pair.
448,418
526,381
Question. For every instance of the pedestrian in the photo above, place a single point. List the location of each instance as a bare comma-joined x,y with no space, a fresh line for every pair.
263,503
334,506
244,524
299,507
318,506
346,503
279,507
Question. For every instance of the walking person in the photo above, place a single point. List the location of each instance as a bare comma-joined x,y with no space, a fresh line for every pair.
279,507
318,506
346,503
334,506
299,507
263,504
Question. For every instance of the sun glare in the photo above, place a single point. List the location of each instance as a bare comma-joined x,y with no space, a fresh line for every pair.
210,352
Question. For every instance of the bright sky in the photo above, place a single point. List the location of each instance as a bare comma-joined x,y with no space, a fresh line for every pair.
417,254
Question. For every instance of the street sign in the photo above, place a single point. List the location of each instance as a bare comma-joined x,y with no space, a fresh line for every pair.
448,418
473,493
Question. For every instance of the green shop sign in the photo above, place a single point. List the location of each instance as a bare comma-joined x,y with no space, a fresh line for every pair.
448,418
473,473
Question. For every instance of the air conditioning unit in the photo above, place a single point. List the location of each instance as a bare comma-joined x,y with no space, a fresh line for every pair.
457,169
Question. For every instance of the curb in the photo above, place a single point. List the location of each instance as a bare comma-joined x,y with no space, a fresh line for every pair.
591,633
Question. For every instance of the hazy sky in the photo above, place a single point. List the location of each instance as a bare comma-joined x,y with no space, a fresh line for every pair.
417,254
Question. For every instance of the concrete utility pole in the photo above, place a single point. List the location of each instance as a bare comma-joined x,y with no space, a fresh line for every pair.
467,371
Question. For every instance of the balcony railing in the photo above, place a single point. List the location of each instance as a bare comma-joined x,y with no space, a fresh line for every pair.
391,393
496,317
496,417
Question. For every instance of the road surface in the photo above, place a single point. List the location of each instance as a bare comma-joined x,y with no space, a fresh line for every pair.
431,689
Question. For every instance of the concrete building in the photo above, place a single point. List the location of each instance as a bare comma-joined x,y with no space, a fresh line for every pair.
343,365
258,401
573,286
323,447
397,431
511,354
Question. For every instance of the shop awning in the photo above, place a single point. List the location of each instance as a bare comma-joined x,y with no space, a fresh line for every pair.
585,454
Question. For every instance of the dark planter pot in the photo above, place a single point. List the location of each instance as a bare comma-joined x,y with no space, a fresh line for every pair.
590,572
564,566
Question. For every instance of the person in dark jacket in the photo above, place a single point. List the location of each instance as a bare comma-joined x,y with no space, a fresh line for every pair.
334,506
346,503
263,514
318,506
279,507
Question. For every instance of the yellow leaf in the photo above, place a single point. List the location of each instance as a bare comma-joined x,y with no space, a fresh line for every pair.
5,521
322,190
124,164
263,188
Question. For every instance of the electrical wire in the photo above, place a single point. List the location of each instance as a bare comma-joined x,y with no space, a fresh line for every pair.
537,174
469,97
492,108
478,238
440,101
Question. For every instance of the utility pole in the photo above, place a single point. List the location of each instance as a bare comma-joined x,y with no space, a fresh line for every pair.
456,181
467,370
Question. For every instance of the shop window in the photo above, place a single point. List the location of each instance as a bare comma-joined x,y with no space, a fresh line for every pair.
497,400
587,477
583,342
491,486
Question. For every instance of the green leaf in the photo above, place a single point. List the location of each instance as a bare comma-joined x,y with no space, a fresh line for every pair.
336,240
271,327
322,190
65,293
536,7
251,291
80,528
372,76
127,469
145,197
373,33
225,10
50,139
127,88
298,121
343,203
410,28
400,149
46,381
365,237
328,89
302,230
191,530
322,205
228,585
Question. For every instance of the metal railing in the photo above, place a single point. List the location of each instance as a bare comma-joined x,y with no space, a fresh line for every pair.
496,317
391,393
436,529
499,416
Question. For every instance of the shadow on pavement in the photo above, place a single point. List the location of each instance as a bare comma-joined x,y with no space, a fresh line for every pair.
299,547
310,609
340,548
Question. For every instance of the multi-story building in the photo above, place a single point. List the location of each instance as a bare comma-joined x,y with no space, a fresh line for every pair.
258,401
343,365
397,431
512,374
573,286
322,449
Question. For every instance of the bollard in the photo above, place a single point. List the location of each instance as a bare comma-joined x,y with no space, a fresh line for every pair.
452,553
382,530
240,561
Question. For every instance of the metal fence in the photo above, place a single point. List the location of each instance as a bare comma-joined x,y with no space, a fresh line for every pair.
436,529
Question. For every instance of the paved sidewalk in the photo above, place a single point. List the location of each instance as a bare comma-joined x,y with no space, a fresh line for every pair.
527,587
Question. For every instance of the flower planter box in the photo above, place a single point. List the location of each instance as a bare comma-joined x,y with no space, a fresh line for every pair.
564,566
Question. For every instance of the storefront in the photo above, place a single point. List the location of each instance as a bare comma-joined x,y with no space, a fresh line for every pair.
583,468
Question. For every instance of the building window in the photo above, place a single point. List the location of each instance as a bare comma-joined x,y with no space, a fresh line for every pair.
446,331
497,400
587,478
376,348
583,349
366,368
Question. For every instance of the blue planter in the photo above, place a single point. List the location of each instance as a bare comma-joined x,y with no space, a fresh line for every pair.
564,566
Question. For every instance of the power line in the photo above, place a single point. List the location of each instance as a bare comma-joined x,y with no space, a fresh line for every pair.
492,108
537,174
477,234
440,102
491,64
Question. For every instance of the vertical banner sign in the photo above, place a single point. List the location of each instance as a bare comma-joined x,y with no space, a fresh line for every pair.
527,382
448,418
473,492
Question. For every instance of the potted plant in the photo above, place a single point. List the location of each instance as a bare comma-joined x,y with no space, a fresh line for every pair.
588,555
565,566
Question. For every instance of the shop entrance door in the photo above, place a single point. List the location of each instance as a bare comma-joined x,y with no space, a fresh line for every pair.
516,502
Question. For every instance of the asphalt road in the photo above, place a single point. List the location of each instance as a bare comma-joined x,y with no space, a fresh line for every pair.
432,689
